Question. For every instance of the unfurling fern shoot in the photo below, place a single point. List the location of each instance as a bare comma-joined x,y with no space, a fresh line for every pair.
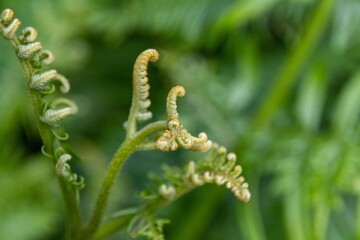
218,167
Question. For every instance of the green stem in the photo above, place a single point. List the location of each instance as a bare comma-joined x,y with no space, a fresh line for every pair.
302,50
128,147
71,209
50,143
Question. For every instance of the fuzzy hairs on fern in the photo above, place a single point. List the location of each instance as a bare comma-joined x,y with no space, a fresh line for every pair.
140,102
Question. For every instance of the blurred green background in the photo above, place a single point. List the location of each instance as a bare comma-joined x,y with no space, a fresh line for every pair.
276,81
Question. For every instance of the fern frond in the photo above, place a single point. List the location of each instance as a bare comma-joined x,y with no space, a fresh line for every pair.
177,135
218,167
47,114
139,108
148,226
59,109
27,50
28,35
42,80
11,26
63,169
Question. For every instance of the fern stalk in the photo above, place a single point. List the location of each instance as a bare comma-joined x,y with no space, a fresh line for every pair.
128,147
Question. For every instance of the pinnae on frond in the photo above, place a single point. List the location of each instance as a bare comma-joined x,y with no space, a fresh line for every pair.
28,35
220,169
167,191
177,135
140,102
41,81
59,109
7,15
11,25
62,169
171,105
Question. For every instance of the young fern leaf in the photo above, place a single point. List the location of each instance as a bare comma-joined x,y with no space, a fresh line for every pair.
28,35
148,226
219,168
63,169
32,56
27,50
42,57
139,109
47,114
59,109
41,82
10,26
177,135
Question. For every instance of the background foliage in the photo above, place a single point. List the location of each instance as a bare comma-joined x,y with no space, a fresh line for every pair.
278,82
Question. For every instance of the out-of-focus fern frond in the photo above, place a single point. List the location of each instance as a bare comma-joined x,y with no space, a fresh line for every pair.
345,31
171,19
311,99
346,112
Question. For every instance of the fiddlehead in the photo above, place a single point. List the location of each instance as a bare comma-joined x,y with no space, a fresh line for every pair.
11,26
139,109
28,35
32,56
63,169
27,50
47,113
177,135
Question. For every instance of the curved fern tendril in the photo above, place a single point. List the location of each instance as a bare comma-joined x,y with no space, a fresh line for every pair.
42,57
28,35
26,51
167,191
140,103
63,169
59,109
42,80
177,135
10,26
220,168
6,16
